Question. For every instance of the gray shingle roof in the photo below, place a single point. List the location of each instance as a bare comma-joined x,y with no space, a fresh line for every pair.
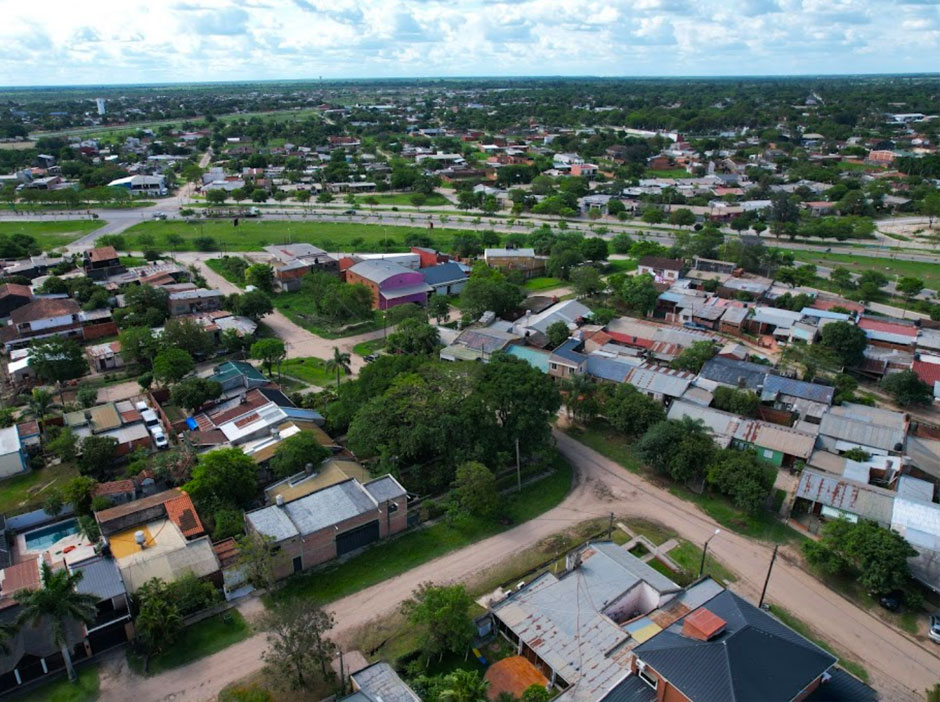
384,488
729,372
100,578
755,657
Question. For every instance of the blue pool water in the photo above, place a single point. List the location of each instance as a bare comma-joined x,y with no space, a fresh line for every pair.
41,539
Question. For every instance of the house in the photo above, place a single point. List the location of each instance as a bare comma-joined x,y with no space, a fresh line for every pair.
331,522
735,374
430,257
478,343
808,401
159,536
296,260
889,333
661,384
571,313
874,430
105,357
567,360
663,270
102,262
237,375
12,297
121,421
627,633
446,278
773,443
142,185
194,301
391,284
41,318
379,683
14,458
522,260
116,492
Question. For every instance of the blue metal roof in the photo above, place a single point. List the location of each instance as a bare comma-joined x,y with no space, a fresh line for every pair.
444,273
777,384
569,352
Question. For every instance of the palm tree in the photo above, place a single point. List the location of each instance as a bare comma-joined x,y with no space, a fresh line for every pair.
158,624
464,686
40,402
339,363
57,601
579,388
7,632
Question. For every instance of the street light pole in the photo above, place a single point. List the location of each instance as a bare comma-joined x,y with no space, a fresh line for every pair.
701,566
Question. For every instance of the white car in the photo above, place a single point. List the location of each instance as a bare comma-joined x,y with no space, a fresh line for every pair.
159,439
934,631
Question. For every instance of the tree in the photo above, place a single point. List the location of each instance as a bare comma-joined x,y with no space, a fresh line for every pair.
566,254
269,351
158,624
910,287
78,492
464,686
172,365
62,443
907,388
439,307
930,207
98,454
631,412
296,452
259,195
298,649
474,492
682,217
594,248
441,616
339,363
535,693
846,340
742,477
557,333
876,556
873,277
58,603
53,504
639,293
253,304
186,335
261,275
216,197
87,397
680,449
57,358
39,403
783,211
742,402
842,277
695,356
414,336
224,477
138,345
258,560
652,215
192,393
586,280
488,289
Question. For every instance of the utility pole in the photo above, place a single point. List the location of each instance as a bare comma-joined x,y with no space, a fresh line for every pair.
518,467
767,579
610,526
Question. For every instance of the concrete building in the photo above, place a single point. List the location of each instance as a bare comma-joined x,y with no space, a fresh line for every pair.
390,283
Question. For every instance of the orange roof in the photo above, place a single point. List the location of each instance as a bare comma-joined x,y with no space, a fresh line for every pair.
18,577
512,675
226,551
180,511
114,487
103,253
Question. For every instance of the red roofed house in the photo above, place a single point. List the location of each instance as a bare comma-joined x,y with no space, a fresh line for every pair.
102,262
662,269
930,374
116,491
892,334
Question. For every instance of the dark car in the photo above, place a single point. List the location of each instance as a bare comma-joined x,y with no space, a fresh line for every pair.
350,212
891,600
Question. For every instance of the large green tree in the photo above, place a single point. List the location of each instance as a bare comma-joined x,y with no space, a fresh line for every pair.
414,336
296,452
192,393
172,365
680,449
474,492
224,478
907,388
631,412
846,340
440,615
57,358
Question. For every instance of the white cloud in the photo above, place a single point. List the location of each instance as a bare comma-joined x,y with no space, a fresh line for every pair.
56,42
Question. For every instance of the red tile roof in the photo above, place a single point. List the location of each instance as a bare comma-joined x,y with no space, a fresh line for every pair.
180,511
226,551
871,324
828,304
114,487
103,253
15,289
928,372
30,428
630,340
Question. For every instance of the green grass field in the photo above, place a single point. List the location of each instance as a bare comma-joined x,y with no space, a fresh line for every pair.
421,545
927,272
51,235
298,307
256,234
667,173
85,689
543,283
27,491
218,265
310,370
433,200
367,347
197,641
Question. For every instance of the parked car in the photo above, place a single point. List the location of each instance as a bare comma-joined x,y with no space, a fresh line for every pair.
159,215
159,438
371,357
934,631
891,600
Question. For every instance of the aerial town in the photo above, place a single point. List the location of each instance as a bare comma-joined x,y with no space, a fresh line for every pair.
471,391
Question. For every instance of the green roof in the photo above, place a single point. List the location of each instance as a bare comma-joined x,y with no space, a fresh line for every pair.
230,369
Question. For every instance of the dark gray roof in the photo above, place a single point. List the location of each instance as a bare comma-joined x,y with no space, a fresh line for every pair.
631,689
100,578
777,384
729,372
444,273
568,351
384,488
842,687
380,683
755,657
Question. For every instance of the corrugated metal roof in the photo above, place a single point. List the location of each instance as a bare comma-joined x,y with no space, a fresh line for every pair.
444,273
777,384
866,501
728,371
381,683
385,488
912,488
918,515
776,437
722,425
379,271
865,426
608,368
100,578
660,381
567,352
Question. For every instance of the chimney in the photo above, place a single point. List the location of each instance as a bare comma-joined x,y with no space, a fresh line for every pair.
279,500
703,625
140,539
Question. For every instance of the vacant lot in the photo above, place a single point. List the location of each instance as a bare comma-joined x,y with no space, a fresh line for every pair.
254,235
51,235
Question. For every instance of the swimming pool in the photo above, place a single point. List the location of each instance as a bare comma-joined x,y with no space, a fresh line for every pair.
41,539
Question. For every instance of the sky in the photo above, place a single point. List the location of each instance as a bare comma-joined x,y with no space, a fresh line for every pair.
69,42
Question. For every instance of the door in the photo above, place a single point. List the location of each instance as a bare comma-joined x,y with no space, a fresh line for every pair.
357,538
298,564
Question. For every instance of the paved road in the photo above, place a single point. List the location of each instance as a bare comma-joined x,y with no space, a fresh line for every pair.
900,668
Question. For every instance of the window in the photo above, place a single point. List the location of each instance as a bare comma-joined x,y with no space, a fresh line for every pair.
768,453
392,507
647,676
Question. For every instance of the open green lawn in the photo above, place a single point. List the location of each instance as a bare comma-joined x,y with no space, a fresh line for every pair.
24,492
310,370
197,641
543,283
432,200
298,307
803,629
368,347
421,545
621,265
131,261
219,266
619,449
667,173
928,272
51,235
253,235
85,689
